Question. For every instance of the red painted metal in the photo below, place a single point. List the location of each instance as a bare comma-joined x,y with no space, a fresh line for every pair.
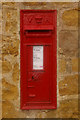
38,87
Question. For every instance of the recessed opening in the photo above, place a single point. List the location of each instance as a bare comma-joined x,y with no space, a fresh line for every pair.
38,31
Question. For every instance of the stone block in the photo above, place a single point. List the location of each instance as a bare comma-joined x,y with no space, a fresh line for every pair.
6,66
75,65
62,65
11,111
67,109
8,110
10,45
10,23
9,91
10,4
70,17
69,86
15,73
68,42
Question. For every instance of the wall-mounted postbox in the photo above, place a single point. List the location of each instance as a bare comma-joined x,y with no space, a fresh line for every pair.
38,57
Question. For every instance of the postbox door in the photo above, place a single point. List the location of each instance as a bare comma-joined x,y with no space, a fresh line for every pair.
38,73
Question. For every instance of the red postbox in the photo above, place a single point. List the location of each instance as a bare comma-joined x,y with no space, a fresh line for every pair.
38,58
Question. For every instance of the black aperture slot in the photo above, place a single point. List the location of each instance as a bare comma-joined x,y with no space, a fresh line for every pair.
38,31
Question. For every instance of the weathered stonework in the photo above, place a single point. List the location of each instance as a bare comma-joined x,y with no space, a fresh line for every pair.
67,72
68,41
75,65
69,86
10,45
70,17
6,66
10,91
62,65
0,60
15,73
65,110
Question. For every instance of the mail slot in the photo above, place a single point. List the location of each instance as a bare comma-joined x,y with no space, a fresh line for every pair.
38,33
38,59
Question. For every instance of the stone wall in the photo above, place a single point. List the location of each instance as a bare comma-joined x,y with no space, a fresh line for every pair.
0,59
67,59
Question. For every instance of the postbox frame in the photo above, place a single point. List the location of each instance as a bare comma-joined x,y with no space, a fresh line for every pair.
22,83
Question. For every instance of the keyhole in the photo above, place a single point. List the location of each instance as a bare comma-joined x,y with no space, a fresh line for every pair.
32,77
